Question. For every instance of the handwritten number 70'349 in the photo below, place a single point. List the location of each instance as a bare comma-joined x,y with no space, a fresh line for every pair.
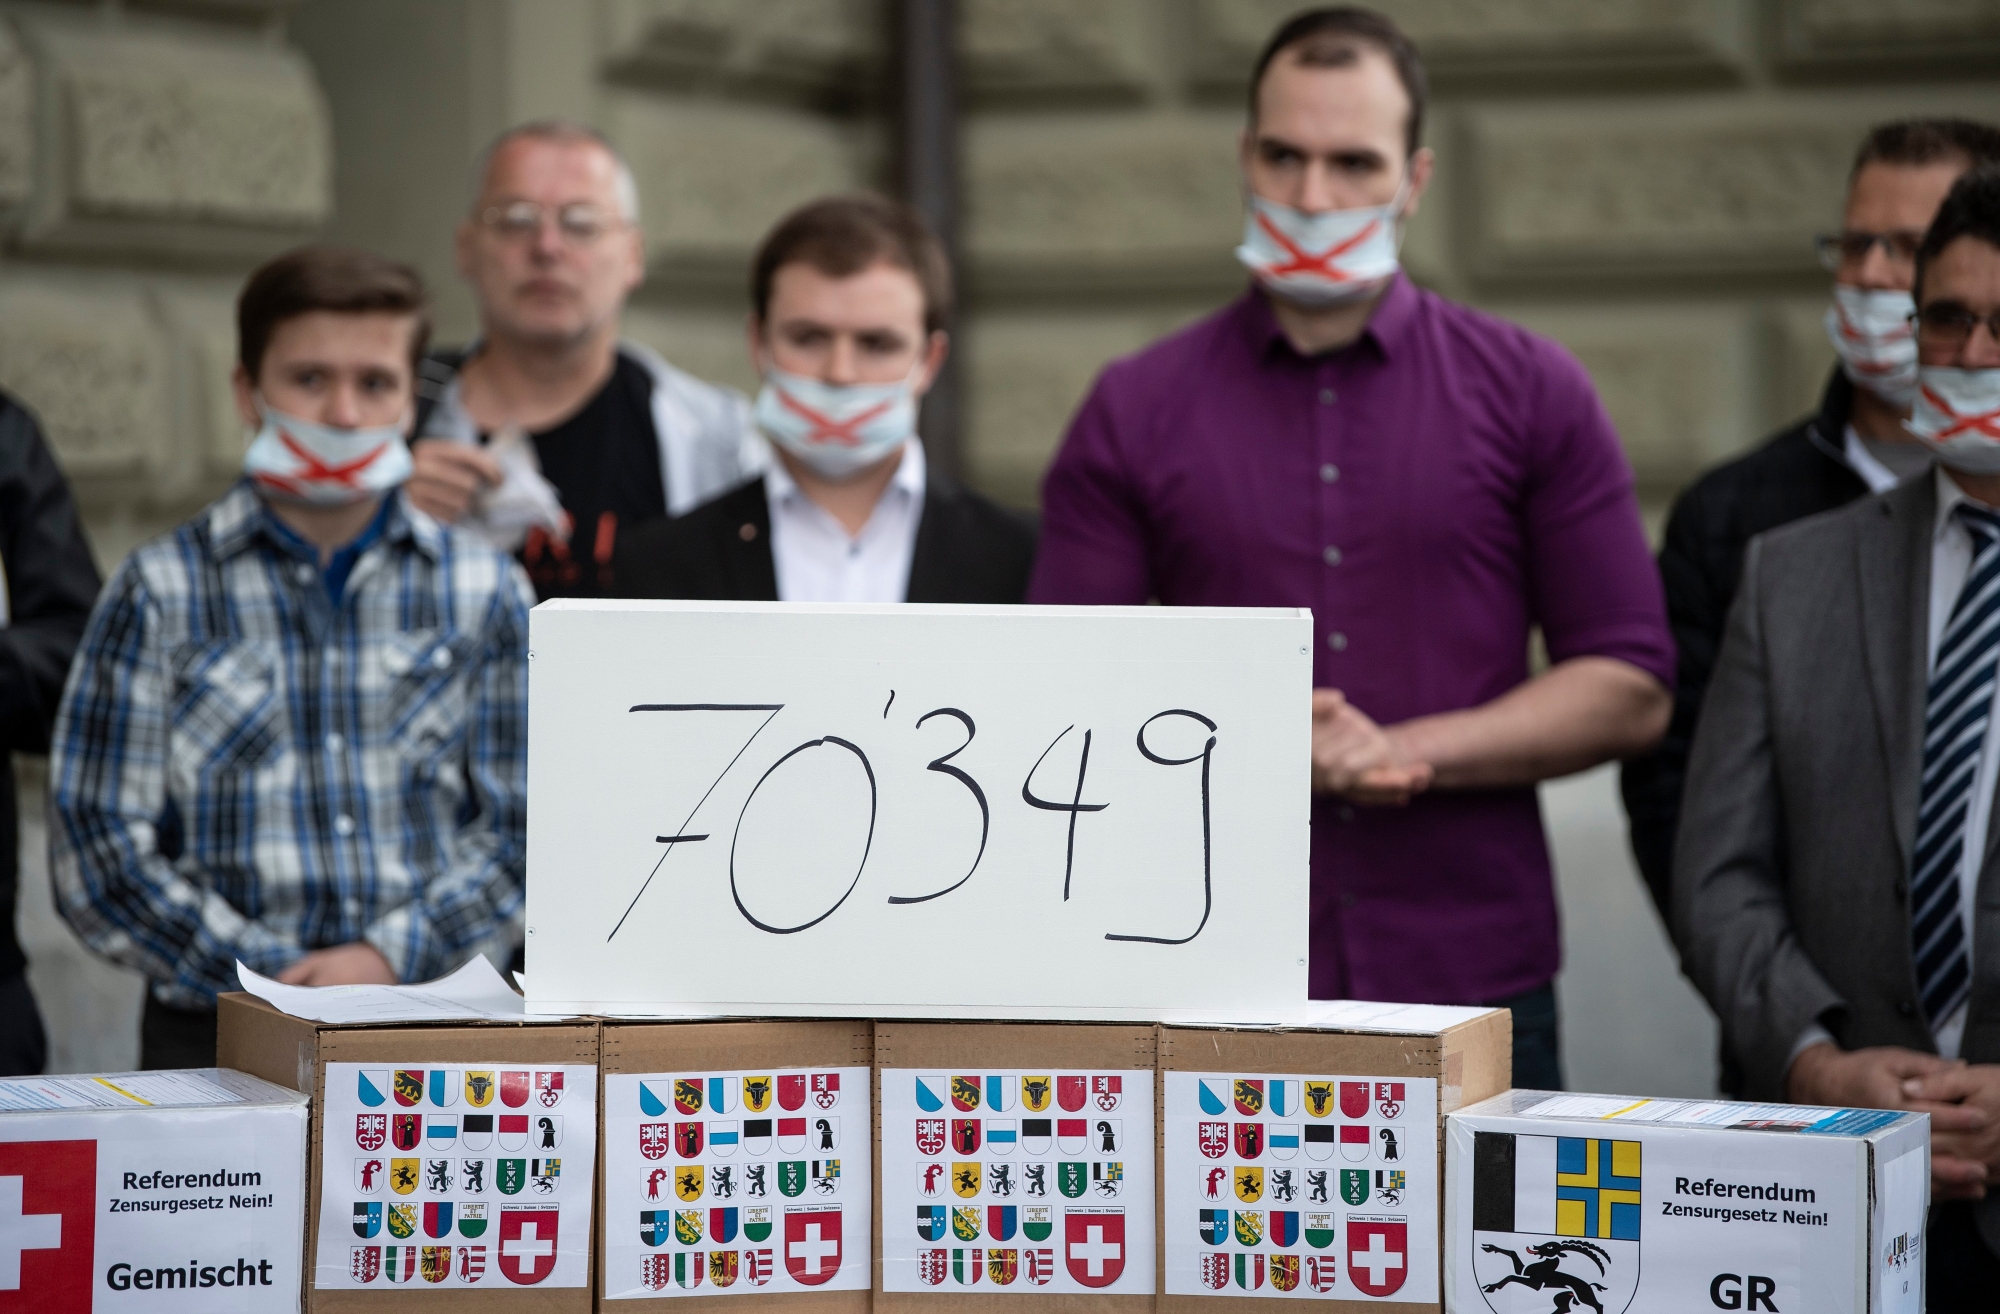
1074,806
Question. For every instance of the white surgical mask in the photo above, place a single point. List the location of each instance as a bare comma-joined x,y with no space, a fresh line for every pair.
1322,259
1871,333
1957,416
837,429
317,463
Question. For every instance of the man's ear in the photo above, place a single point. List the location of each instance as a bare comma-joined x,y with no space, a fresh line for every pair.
935,353
1422,165
244,389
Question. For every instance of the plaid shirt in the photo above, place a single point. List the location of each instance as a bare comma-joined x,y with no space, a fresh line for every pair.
243,769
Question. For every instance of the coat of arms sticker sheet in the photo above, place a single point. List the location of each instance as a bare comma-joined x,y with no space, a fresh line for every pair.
1301,1186
737,1183
472,1175
1017,1181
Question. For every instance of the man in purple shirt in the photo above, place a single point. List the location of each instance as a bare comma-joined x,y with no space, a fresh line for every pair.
1432,483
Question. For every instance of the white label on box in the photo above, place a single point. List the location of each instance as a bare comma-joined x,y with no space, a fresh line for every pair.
1301,1185
199,1211
441,1178
738,1183
1017,1181
1657,1219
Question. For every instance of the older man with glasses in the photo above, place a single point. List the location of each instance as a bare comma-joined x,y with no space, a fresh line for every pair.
549,434
1834,868
1854,444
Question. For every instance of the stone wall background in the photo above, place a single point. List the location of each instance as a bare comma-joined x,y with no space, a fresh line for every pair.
1637,178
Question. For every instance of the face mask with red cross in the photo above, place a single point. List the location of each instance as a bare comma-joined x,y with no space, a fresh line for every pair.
838,430
301,461
1957,416
1324,258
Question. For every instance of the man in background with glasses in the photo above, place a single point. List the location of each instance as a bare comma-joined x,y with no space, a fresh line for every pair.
1854,444
1834,873
549,434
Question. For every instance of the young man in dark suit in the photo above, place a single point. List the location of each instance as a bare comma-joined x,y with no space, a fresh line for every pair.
850,295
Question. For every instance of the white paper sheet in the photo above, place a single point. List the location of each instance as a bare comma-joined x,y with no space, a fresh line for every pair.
473,991
114,1090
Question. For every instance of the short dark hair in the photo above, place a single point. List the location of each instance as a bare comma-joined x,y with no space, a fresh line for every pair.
339,279
842,235
1334,38
1971,209
1927,141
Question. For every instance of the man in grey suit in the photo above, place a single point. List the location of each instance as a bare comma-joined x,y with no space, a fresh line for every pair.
1837,878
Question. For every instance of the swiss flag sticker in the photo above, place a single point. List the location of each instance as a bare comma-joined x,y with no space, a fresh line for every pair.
48,1218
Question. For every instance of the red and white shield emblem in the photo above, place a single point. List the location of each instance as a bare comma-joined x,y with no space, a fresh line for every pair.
528,1242
1094,1245
364,1263
826,1089
1041,1265
1215,1139
757,1266
1215,1271
513,1089
1377,1256
1321,1272
657,1272
654,1137
549,1085
931,1265
791,1091
1353,1099
1069,1093
371,1130
407,1130
930,1135
812,1244
1389,1098
1107,1091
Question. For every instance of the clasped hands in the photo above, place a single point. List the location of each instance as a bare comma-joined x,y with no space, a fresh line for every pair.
1358,760
358,963
1963,1100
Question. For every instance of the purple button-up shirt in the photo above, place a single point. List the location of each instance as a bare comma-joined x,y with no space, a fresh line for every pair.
1430,491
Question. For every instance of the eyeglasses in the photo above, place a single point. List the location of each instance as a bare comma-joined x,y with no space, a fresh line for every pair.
1946,325
579,222
1838,250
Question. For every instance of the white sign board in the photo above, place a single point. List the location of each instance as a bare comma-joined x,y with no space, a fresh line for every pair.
178,1192
1032,812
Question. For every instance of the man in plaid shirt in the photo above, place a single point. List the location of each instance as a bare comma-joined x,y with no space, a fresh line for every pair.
296,731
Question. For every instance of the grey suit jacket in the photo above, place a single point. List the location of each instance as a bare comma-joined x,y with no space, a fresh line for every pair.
1791,872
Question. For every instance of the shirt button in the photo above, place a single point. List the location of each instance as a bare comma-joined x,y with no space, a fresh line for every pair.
334,743
1332,556
1329,473
441,658
1326,396
1337,641
305,574
343,824
1347,900
1346,812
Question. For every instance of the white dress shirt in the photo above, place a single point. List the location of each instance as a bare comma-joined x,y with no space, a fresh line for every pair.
1879,478
818,561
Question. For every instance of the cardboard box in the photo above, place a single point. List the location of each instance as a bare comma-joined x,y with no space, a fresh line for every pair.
1674,1205
738,1160
1302,1161
160,1191
1015,1166
538,1082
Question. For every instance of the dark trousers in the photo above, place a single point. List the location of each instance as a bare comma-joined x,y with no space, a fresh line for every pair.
172,1037
1537,1042
24,1045
1960,1273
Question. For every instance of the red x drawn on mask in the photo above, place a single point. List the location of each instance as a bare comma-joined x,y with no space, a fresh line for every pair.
826,429
1986,425
318,471
1319,265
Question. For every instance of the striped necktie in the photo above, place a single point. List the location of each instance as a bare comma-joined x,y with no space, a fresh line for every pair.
1957,707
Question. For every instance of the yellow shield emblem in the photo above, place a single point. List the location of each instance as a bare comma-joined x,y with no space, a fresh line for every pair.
1319,1098
1036,1092
1250,1098
756,1094
403,1175
965,1180
1249,1184
409,1087
688,1184
479,1089
965,1093
402,1220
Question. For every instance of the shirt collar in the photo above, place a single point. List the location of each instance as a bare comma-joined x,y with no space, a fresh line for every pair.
239,518
1387,328
1949,496
908,481
1879,478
